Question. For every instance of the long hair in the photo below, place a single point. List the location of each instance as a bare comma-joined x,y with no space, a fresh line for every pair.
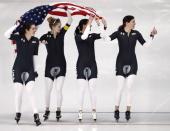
79,28
53,21
26,26
127,18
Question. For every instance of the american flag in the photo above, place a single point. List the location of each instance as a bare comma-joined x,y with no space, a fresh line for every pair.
73,8
38,14
35,15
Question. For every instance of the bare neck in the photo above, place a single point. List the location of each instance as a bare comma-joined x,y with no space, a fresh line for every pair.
28,36
128,30
54,33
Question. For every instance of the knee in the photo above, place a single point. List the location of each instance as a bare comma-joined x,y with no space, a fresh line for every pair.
82,89
92,88
120,89
18,94
59,89
48,89
129,88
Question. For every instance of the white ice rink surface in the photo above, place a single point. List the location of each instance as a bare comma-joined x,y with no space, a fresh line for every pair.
151,91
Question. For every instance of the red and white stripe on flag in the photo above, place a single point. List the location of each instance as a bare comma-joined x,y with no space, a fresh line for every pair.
74,9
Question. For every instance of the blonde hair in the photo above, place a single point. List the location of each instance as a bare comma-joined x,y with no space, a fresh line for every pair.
53,21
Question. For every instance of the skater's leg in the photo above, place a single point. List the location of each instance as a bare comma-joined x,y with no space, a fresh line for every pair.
92,89
119,91
120,87
29,88
129,84
48,89
59,85
18,96
82,83
18,100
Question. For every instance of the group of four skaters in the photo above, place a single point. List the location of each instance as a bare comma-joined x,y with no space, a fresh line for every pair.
25,65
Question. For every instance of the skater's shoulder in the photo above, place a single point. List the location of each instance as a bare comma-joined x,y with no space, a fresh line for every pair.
34,38
135,31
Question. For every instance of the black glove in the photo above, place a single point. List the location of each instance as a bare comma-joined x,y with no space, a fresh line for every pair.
35,74
105,27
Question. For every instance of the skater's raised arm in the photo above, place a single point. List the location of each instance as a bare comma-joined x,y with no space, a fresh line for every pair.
8,33
86,31
102,27
70,19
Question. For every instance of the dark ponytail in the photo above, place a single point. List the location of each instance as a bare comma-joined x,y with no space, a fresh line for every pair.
80,26
127,18
25,27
